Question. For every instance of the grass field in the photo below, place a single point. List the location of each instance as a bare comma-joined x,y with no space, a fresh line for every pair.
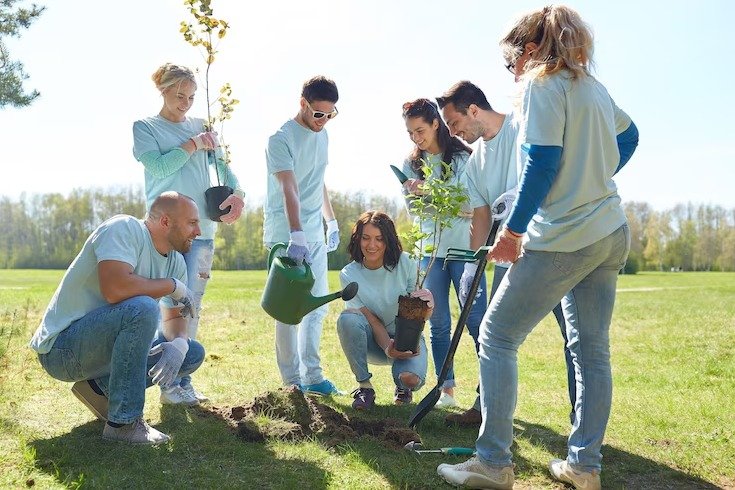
672,423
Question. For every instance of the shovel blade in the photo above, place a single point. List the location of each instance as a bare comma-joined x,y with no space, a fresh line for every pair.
425,406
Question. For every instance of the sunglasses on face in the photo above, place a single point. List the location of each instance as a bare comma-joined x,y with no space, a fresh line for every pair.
321,114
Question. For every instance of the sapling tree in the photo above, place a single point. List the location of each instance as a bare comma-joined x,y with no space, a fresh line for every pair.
205,31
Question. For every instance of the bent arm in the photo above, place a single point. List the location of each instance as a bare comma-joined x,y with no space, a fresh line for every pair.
118,282
290,190
627,143
480,227
327,210
380,334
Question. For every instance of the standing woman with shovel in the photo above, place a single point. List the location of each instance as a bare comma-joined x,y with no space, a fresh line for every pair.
176,152
573,140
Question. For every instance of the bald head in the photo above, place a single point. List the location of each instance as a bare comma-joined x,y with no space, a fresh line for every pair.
170,204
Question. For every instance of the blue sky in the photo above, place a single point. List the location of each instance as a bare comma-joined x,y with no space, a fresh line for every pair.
665,63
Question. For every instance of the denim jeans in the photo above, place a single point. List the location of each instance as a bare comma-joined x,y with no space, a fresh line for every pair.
110,345
585,282
297,346
361,349
198,271
438,281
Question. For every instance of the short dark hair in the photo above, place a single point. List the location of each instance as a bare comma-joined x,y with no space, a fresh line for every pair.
382,221
320,88
462,95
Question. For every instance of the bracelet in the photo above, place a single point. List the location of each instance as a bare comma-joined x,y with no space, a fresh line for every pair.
513,233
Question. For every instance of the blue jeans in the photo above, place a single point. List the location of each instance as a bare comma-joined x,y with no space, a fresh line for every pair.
110,345
440,277
297,346
198,271
585,282
360,348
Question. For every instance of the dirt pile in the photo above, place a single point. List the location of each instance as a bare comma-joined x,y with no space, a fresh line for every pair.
288,415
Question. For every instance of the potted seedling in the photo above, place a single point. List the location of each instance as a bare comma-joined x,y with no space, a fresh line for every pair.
438,202
204,32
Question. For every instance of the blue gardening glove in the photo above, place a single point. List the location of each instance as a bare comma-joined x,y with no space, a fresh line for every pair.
182,295
168,366
465,282
298,249
332,235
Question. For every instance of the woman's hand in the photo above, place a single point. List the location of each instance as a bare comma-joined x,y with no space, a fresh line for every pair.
206,140
237,205
413,186
507,247
392,353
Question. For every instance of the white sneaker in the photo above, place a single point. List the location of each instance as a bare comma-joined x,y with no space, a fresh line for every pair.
475,474
446,400
176,395
563,471
200,397
139,432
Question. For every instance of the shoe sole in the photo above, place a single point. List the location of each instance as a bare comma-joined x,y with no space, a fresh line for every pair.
83,391
137,443
183,404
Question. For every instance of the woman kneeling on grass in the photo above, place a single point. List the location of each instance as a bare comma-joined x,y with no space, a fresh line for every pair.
367,326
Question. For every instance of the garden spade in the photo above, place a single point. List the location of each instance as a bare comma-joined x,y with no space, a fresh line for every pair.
428,402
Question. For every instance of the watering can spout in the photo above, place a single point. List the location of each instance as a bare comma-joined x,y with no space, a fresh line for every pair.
287,294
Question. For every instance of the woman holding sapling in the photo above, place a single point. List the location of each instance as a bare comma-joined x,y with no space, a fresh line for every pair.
177,152
434,145
367,326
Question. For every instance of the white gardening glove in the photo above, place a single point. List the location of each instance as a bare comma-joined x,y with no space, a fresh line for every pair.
205,141
507,199
425,295
168,366
465,282
332,235
182,295
298,248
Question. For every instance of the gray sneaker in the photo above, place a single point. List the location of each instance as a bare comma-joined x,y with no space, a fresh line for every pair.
139,432
200,397
96,403
585,480
475,474
177,395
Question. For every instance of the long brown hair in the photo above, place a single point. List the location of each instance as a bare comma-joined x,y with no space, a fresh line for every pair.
382,221
429,112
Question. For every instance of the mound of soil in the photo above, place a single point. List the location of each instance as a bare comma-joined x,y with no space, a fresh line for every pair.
288,415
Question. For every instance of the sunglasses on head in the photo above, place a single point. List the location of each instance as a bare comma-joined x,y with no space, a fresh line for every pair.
321,114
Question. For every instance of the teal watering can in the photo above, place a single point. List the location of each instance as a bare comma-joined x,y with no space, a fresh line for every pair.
287,295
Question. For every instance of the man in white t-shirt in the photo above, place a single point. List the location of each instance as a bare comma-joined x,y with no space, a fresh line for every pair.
492,175
296,203
101,326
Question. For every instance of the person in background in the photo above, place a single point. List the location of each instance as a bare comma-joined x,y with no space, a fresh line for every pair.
367,325
296,202
434,147
492,176
101,328
573,139
177,152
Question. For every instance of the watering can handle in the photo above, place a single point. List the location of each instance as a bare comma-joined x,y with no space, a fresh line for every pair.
272,253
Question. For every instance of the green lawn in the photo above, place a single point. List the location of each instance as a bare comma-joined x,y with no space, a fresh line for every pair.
672,423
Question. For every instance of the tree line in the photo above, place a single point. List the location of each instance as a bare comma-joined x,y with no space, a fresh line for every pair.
46,231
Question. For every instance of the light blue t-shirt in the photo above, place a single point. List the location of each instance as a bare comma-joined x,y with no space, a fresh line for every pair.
491,169
458,235
582,205
378,289
304,152
122,238
159,135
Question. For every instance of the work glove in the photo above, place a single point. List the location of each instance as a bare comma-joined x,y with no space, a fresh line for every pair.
169,365
298,249
465,283
332,235
183,296
507,199
206,141
507,247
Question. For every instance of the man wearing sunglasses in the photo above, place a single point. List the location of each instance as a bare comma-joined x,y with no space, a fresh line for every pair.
295,204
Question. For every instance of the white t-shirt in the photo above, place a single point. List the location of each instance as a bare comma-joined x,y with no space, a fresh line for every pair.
582,205
122,238
304,152
378,289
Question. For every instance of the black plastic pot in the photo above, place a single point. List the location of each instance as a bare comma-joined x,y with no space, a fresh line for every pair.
214,197
408,334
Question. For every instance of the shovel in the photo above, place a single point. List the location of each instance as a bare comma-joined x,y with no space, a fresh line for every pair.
428,402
